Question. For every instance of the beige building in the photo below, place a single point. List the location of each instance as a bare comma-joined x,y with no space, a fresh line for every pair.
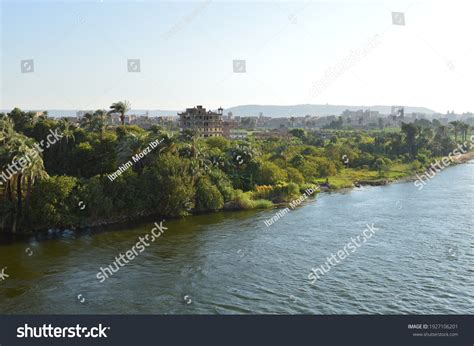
205,123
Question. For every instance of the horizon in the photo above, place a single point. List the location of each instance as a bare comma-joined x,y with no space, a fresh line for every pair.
263,54
431,112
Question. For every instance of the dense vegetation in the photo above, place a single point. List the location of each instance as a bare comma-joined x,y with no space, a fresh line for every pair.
67,184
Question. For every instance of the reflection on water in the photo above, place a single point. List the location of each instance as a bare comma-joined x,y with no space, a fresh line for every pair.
420,261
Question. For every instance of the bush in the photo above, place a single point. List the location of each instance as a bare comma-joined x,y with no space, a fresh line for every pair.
326,168
279,193
295,176
243,200
218,142
208,196
53,203
223,183
270,173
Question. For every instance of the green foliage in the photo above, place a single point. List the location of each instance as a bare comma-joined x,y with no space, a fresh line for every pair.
208,196
223,184
243,200
218,142
382,166
53,203
270,174
299,133
186,173
326,167
295,176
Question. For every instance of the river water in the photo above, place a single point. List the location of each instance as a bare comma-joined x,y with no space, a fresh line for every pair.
420,260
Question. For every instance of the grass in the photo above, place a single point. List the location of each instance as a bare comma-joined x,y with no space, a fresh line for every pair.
243,200
346,177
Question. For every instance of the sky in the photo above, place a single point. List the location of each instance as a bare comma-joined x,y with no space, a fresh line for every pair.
318,52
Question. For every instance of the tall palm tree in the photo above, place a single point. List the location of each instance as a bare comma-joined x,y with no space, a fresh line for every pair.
87,121
411,131
67,130
101,117
456,127
28,175
33,172
15,146
464,130
442,131
168,145
121,108
130,145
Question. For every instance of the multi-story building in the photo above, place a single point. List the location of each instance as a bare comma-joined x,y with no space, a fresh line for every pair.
206,124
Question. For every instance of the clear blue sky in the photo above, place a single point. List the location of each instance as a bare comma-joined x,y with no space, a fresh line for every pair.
80,52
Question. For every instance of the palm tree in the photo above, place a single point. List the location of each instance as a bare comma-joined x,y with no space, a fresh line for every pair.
168,143
456,127
33,172
464,130
442,131
100,122
130,145
35,169
121,108
87,121
15,146
411,131
67,130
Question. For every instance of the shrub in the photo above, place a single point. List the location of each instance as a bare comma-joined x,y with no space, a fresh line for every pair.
243,200
270,173
295,176
52,202
208,196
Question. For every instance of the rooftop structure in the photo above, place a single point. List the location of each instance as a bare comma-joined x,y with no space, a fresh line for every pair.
205,123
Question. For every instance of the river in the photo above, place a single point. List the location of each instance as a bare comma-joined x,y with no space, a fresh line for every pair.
420,260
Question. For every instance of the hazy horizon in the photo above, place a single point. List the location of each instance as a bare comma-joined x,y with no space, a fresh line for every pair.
273,111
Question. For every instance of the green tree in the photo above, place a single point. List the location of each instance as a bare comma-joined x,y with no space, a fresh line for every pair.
464,128
270,174
295,176
208,196
53,203
456,126
410,131
298,133
121,108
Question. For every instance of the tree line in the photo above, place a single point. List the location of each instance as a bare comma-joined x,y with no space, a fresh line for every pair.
185,174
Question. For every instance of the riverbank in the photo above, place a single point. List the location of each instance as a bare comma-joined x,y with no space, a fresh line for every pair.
464,157
345,180
398,172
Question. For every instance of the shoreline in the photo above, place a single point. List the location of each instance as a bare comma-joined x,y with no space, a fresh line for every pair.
124,220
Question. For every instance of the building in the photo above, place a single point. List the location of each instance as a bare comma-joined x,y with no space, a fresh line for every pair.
206,124
360,118
169,122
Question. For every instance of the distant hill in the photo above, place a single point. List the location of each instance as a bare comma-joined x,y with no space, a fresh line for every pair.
320,110
267,110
